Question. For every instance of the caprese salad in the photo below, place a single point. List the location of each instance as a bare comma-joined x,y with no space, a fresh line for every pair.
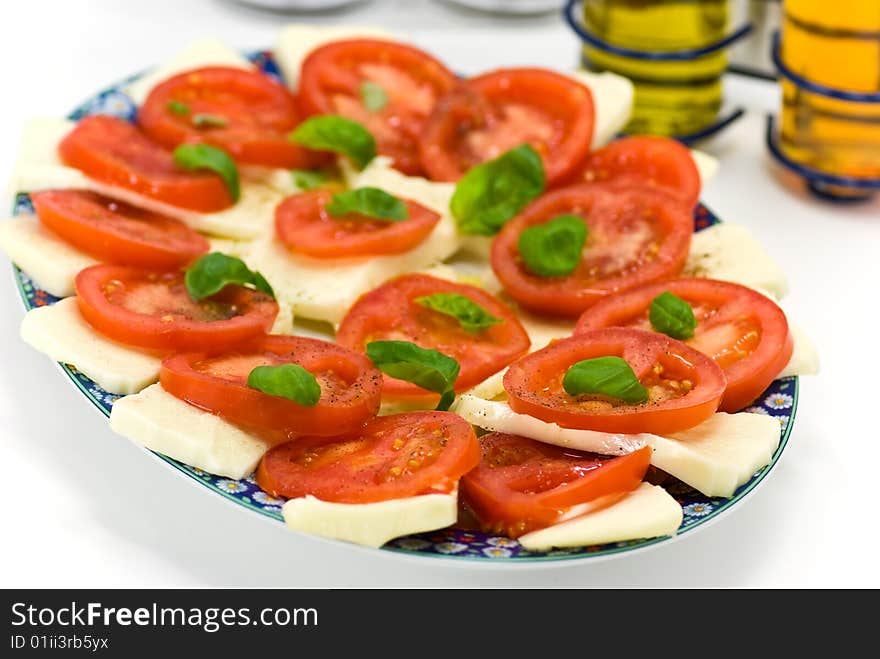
400,297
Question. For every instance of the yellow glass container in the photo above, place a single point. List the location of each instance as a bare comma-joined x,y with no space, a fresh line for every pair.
671,97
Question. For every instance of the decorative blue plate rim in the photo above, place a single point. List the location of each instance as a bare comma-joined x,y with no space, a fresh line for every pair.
780,401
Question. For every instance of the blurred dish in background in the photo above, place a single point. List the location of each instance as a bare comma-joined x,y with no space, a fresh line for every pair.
300,5
511,6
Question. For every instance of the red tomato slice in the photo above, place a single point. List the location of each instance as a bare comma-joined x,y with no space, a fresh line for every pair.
522,485
258,113
746,333
684,385
116,232
115,152
636,236
497,111
151,309
350,387
657,162
304,225
412,80
390,312
392,457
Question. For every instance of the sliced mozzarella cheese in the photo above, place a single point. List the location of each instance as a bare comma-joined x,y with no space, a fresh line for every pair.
720,454
380,174
38,168
613,101
61,332
297,40
48,260
160,422
208,51
284,320
707,166
371,524
805,358
730,252
498,417
646,512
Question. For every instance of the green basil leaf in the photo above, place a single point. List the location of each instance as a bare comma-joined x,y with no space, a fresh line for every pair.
371,202
493,192
607,376
331,132
289,381
205,120
671,315
309,179
178,107
204,156
554,248
212,272
373,96
471,315
427,369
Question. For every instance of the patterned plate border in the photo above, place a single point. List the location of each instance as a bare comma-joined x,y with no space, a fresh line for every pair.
779,401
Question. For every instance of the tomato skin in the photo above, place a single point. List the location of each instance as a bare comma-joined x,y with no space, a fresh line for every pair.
168,327
645,160
617,217
390,312
116,232
534,383
391,457
115,152
350,384
522,485
716,304
259,113
330,82
494,112
304,225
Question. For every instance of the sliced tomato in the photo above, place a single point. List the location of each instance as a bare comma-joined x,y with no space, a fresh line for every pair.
304,225
332,80
245,113
684,385
745,332
653,161
116,232
117,153
636,236
350,387
392,457
494,112
522,485
391,312
152,309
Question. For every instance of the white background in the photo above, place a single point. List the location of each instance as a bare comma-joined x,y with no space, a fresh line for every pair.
83,507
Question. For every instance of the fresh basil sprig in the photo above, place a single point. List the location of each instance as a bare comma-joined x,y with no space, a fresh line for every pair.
331,132
553,249
371,202
203,156
289,381
212,272
373,96
179,108
205,120
491,193
471,316
428,369
607,376
309,179
671,315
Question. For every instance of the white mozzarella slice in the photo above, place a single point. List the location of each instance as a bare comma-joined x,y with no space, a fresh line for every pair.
613,101
284,320
805,358
380,174
707,166
162,423
297,40
498,417
208,51
48,260
730,252
720,454
371,524
646,512
61,332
